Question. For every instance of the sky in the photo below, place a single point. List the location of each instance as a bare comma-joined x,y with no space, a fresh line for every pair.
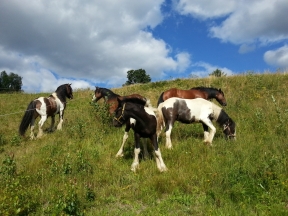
94,43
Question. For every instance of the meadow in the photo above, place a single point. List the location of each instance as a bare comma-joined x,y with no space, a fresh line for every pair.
75,171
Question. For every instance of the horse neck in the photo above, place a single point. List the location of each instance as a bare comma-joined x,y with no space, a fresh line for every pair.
108,94
220,115
141,118
210,92
61,94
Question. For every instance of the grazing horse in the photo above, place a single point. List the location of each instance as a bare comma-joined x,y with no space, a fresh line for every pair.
109,96
111,99
145,126
196,92
192,111
45,107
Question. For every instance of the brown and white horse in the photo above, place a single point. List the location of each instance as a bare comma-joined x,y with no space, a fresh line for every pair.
145,126
45,107
190,111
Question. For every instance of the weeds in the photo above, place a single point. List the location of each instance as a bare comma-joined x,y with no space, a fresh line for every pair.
75,172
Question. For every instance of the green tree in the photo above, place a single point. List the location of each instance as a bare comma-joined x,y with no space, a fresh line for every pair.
218,73
137,76
11,82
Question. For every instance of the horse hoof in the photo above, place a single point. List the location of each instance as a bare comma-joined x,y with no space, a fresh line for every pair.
119,155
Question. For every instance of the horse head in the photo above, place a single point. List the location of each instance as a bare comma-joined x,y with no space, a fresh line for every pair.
229,129
120,118
220,97
69,92
97,94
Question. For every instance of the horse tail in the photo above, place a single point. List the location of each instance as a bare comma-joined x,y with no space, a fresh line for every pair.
160,100
160,119
26,120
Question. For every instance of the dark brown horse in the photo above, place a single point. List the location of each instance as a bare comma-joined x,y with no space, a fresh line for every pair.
145,126
111,99
197,92
45,107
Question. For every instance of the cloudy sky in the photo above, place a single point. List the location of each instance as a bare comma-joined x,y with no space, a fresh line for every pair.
95,42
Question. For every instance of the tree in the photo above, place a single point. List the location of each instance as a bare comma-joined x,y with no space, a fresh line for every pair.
11,82
217,73
137,76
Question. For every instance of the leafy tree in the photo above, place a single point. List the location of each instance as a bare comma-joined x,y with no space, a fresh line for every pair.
218,73
11,82
137,76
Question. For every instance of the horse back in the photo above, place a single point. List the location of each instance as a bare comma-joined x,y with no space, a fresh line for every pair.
185,94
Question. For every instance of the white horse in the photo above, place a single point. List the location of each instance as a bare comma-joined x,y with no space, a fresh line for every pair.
190,111
45,107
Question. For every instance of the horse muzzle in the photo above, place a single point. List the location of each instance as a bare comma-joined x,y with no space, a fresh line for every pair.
117,123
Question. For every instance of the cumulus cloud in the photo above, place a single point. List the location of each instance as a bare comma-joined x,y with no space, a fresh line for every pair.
93,41
244,21
278,57
247,23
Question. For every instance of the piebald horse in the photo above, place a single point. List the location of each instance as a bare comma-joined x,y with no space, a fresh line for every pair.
45,107
111,99
145,126
207,93
190,111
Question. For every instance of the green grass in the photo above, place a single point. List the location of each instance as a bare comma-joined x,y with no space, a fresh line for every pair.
75,172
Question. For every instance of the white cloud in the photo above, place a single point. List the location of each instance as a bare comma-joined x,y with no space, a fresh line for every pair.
183,60
205,9
90,40
203,69
278,57
244,22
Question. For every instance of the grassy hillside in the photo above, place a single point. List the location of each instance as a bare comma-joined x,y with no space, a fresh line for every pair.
74,171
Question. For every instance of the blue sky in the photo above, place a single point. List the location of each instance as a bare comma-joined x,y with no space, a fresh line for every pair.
95,42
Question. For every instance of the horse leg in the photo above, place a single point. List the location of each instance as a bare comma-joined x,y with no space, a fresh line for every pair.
125,137
206,132
52,123
168,131
32,125
145,150
159,160
41,122
61,114
120,152
209,138
137,150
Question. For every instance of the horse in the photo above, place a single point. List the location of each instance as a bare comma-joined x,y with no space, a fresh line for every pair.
109,96
46,107
207,93
145,126
111,99
196,110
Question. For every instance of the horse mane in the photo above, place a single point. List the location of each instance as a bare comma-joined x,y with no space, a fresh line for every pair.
203,88
136,100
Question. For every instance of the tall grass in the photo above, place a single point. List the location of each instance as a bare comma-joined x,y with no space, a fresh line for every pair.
75,172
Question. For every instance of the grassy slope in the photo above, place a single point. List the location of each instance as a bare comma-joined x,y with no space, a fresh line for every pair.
75,170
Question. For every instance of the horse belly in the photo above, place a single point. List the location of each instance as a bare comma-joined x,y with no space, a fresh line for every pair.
186,118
